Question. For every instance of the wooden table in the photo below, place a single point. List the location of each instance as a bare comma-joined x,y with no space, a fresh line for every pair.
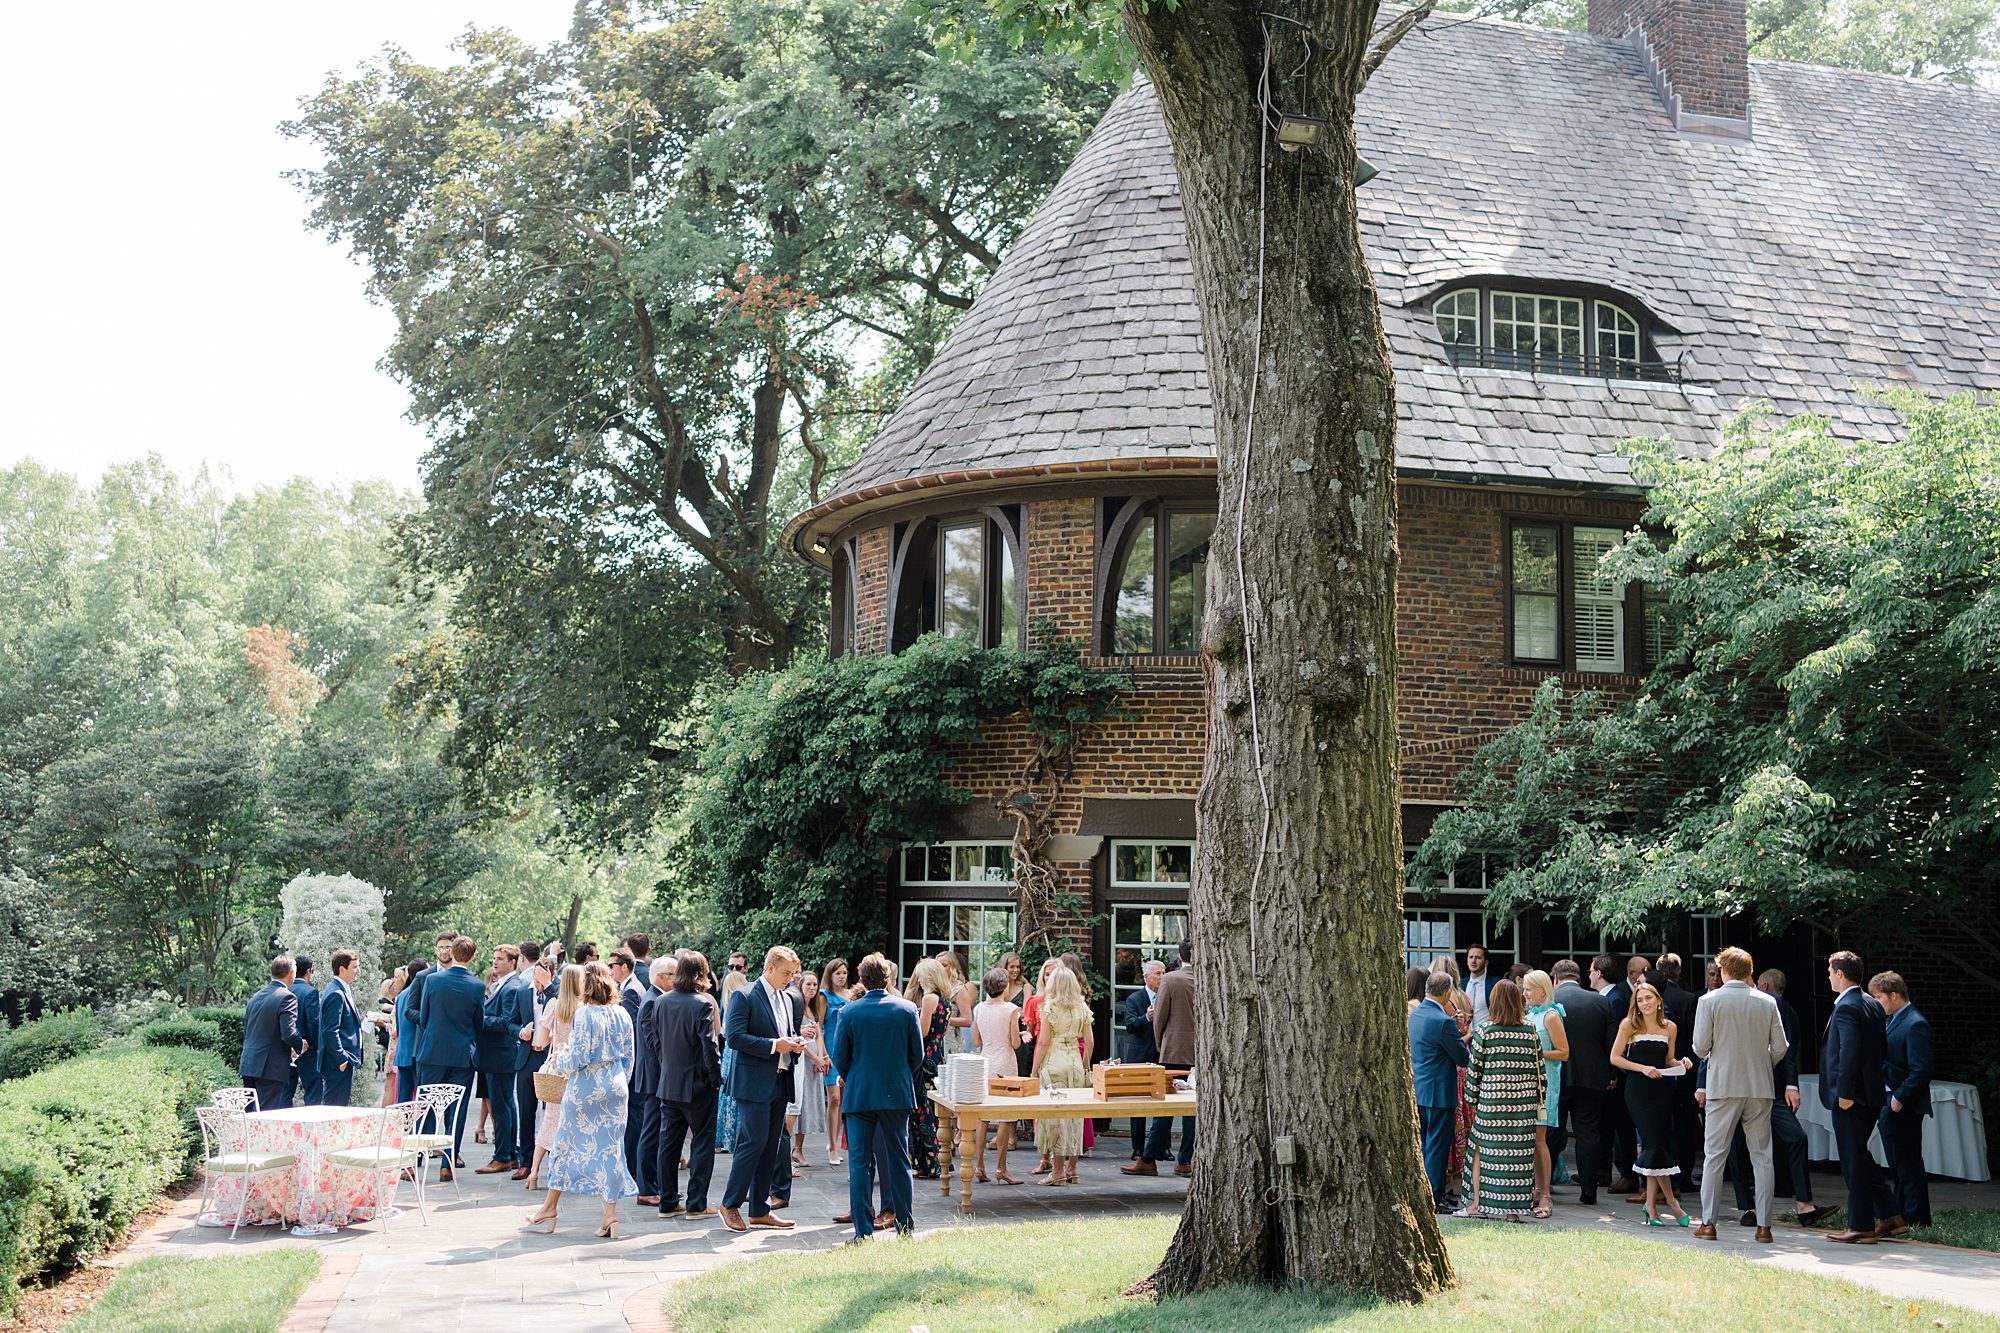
1050,1104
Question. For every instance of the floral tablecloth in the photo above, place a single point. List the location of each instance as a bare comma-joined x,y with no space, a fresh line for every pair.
321,1199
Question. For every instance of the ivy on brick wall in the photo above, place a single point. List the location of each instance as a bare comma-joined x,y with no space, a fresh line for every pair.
810,778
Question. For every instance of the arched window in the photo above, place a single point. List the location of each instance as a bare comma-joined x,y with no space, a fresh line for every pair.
840,627
1153,587
960,576
1545,331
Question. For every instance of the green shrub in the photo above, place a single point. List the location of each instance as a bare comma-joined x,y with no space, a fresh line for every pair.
89,1144
195,1034
49,1041
230,1020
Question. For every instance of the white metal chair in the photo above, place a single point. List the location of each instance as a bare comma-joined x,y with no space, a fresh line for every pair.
439,1106
391,1154
226,1154
236,1099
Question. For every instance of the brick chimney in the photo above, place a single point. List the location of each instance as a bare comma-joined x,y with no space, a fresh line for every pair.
1697,54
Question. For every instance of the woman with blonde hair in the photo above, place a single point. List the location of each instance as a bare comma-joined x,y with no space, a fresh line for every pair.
929,990
588,1154
551,1035
1547,1018
964,995
1031,1034
1062,1060
1645,1047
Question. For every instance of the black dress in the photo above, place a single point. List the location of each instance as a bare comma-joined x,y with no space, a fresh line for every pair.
1651,1102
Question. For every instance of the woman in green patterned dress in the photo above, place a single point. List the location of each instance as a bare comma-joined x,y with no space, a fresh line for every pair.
1506,1088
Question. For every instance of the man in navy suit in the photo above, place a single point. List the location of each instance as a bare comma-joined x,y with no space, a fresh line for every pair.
879,1052
271,1037
1624,1137
531,1060
303,1081
632,993
644,1105
687,1075
451,1012
765,1028
1140,1047
339,1030
1904,1199
506,1010
1437,1053
1850,1086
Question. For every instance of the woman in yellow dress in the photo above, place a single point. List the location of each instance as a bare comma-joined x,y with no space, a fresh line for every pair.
1062,1060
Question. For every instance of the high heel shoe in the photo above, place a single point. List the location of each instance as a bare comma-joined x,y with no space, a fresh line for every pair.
538,1222
609,1231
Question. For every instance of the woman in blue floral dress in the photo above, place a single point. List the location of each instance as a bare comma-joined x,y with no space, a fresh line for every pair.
588,1155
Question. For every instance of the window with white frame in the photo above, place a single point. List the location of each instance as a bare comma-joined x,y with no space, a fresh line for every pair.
1705,934
979,932
1599,602
1457,318
1434,932
1617,335
1538,327
1147,865
951,863
1140,933
1549,332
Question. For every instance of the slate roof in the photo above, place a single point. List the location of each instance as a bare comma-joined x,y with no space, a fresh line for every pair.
1854,239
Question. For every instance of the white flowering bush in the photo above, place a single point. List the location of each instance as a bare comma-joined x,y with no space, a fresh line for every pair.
327,912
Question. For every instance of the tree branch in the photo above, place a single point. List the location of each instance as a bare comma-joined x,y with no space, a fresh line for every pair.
1396,31
916,201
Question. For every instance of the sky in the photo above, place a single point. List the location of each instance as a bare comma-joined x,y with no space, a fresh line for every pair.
166,296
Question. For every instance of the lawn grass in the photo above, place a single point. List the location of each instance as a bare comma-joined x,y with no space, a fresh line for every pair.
252,1294
1070,1275
1970,1228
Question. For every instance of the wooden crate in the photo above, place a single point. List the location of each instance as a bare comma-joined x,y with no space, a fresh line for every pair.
1109,1080
1011,1086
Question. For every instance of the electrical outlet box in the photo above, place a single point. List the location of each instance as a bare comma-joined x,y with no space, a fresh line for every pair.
1282,1150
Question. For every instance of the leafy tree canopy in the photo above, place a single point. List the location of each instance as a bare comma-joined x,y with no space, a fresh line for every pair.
1823,743
652,284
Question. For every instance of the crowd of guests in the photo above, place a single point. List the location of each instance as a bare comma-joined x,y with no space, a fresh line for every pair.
1652,1081
611,1076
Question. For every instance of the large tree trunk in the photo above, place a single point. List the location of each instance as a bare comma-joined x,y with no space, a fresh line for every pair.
1297,896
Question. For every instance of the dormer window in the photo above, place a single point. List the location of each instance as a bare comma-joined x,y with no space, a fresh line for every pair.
1500,326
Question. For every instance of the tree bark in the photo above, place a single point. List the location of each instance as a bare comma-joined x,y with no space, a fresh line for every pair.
1296,903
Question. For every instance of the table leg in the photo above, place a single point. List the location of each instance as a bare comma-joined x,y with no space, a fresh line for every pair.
968,1135
947,1133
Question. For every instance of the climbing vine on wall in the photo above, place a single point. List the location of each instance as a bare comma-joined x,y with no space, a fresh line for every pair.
811,777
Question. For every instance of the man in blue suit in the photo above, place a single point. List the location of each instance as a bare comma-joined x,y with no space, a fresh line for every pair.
644,1104
531,1060
879,1053
303,1081
1140,1046
1850,1086
450,1010
1904,1199
403,1054
339,1030
1437,1053
687,1077
765,1028
271,1037
506,1011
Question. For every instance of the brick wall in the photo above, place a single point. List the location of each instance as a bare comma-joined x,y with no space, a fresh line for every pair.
1698,49
1062,566
871,591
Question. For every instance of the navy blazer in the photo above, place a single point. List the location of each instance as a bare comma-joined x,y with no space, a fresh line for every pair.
339,1030
685,1064
645,1053
1850,1054
271,1035
407,1027
1907,1062
878,1051
506,1011
1785,1073
1437,1053
308,1016
1140,1047
751,1030
450,1010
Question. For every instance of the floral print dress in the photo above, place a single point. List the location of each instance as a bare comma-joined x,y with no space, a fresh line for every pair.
588,1155
924,1119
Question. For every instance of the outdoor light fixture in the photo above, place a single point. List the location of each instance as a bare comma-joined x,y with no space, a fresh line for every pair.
1364,171
1296,132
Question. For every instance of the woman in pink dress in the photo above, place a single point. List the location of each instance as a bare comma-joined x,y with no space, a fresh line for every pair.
996,1034
551,1035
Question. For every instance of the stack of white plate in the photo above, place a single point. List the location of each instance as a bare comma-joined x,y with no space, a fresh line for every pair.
963,1079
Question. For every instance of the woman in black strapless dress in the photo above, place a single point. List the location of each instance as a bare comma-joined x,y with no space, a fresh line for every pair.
1645,1048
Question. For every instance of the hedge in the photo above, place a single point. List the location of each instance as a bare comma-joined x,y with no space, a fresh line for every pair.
195,1034
87,1146
231,1023
48,1041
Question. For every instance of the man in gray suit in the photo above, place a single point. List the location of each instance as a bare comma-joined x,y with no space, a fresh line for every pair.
1738,1033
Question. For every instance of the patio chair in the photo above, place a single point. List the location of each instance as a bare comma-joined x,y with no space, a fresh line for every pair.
439,1106
236,1099
392,1152
226,1154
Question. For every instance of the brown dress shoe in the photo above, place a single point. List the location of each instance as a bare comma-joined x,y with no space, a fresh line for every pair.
1630,1185
1142,1167
1764,1235
444,1174
1706,1231
648,1201
733,1219
1852,1237
520,1173
696,1214
1891,1228
1183,1170
494,1168
844,1219
768,1220
885,1219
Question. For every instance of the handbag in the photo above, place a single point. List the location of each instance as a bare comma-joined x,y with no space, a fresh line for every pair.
549,1087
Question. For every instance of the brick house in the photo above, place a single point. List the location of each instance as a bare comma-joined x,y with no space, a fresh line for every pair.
1578,239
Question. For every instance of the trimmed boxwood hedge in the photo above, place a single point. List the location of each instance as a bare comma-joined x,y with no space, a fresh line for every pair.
195,1034
48,1041
231,1022
86,1146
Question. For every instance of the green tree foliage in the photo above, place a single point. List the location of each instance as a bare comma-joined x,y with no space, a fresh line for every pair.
1957,41
652,284
810,778
1823,743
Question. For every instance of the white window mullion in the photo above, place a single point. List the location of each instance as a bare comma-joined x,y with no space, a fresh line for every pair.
1599,635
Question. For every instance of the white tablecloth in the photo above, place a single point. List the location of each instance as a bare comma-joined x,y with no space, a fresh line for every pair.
1954,1132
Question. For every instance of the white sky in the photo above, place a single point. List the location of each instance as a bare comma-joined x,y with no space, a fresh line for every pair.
166,295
